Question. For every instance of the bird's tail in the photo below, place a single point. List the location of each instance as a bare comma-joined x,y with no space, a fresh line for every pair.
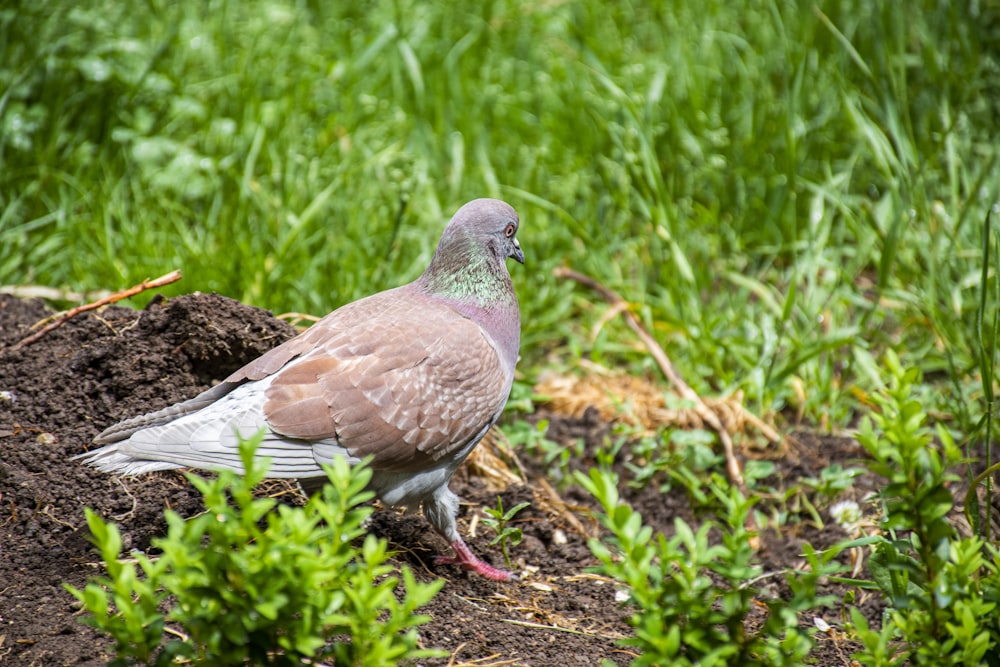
110,459
124,429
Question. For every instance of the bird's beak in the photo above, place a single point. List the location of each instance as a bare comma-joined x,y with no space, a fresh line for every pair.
517,253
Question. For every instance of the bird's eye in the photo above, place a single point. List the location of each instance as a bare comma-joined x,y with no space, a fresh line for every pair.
509,232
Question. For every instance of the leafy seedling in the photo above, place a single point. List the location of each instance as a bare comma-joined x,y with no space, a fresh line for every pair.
499,521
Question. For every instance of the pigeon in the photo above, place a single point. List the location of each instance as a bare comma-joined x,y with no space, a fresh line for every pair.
412,377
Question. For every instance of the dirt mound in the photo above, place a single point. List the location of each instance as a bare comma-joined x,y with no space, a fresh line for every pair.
57,394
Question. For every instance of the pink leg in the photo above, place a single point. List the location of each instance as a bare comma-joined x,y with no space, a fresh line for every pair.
464,557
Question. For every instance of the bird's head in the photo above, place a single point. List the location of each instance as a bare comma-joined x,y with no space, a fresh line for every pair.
485,225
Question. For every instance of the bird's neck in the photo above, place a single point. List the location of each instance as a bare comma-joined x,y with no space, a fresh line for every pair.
463,273
478,285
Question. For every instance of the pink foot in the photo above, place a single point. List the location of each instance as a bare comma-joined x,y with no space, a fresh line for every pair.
464,557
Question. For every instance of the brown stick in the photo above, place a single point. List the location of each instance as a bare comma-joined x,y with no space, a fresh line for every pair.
59,320
703,411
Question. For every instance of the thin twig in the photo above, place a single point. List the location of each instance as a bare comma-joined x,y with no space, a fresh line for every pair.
618,304
171,277
476,662
558,628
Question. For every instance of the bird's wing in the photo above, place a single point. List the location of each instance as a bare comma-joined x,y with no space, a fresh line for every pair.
408,386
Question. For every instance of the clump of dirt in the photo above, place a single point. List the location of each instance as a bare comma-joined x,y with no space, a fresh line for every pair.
59,392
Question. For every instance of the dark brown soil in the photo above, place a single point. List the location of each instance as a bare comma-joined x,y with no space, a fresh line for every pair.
59,392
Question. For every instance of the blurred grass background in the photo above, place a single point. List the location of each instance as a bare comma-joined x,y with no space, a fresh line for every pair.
783,189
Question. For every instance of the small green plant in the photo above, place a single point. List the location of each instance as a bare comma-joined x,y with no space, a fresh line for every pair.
249,583
499,521
124,604
556,456
942,590
832,481
675,456
805,499
692,594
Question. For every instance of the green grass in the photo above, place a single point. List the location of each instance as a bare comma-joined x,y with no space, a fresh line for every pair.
784,189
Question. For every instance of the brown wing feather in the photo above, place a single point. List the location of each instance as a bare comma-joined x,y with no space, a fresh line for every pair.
424,386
